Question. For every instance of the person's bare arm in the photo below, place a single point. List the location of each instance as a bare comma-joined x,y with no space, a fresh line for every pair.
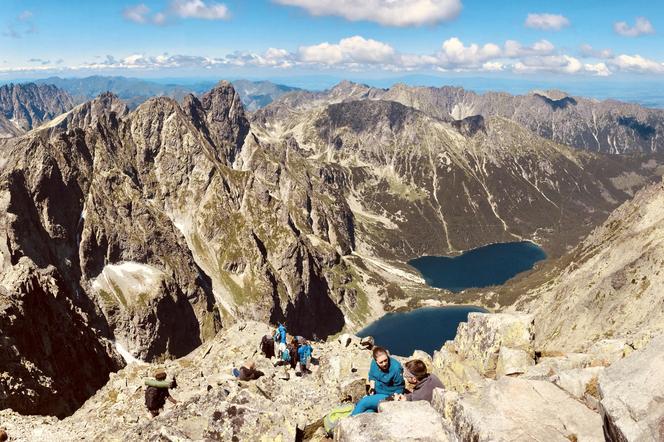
170,398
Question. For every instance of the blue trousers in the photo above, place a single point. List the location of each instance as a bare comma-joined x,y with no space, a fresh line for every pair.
369,404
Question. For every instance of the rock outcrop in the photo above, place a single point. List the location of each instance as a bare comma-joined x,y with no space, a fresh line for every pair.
631,395
51,361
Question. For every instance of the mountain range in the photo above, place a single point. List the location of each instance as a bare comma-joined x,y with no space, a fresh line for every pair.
147,230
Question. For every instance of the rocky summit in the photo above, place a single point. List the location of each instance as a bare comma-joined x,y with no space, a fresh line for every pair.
175,235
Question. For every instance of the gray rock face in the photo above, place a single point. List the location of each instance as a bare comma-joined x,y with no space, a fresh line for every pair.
513,409
26,106
51,361
395,421
631,395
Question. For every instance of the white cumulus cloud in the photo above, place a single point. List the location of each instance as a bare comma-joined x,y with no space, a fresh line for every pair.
455,53
637,63
137,14
641,27
199,9
385,12
354,49
547,22
588,51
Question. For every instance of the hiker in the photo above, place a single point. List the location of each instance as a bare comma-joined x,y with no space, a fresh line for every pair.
304,356
293,348
156,393
280,336
385,380
248,372
267,346
415,372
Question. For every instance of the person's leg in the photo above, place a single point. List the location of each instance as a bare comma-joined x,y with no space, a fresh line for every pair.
368,404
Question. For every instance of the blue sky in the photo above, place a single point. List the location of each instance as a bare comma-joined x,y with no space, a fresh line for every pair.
272,38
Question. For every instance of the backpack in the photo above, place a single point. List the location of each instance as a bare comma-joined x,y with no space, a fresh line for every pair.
285,355
331,419
154,399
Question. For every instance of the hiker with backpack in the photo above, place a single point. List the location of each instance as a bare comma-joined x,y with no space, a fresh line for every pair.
415,372
385,381
267,346
157,392
247,372
293,348
304,355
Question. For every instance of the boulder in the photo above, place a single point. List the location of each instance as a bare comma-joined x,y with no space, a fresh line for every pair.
367,342
479,340
395,421
632,404
353,389
578,381
513,361
515,409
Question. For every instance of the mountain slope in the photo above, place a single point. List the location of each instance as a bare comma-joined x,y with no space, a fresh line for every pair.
26,106
609,286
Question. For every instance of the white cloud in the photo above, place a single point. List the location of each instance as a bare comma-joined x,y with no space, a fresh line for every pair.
351,50
455,53
547,22
199,9
562,64
514,49
641,27
178,9
599,69
137,14
589,51
637,63
385,12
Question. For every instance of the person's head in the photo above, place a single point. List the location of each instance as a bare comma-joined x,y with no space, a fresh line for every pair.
250,364
381,357
160,375
415,371
3,435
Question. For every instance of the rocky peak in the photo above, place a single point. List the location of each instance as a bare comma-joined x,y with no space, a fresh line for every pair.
227,124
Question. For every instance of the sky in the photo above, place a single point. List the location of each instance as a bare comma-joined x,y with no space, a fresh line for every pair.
598,40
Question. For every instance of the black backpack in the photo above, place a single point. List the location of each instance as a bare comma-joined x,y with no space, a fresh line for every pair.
154,398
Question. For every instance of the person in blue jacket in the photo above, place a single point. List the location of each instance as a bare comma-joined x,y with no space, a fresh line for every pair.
385,380
304,355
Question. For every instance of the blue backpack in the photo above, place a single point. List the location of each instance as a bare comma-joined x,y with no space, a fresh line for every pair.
285,355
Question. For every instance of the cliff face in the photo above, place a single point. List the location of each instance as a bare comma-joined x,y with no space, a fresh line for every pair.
25,106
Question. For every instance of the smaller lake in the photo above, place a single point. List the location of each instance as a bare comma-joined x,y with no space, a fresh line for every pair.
489,265
423,329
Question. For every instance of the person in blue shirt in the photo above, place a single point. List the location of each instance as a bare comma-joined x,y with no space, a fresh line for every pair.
304,356
385,380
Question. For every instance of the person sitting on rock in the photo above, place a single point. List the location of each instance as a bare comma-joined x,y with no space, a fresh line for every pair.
415,372
248,372
267,346
157,392
385,380
304,356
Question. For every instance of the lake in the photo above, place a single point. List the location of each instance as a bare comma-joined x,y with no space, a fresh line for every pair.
489,265
422,329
